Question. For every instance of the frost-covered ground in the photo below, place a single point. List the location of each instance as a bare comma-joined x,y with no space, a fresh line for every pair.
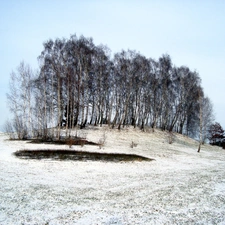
180,187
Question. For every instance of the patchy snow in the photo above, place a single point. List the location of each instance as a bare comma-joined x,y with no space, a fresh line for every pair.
180,187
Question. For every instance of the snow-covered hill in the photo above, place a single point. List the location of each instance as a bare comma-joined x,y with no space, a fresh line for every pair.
180,187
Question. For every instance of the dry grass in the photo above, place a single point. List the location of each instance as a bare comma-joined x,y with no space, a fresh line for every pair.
133,144
68,141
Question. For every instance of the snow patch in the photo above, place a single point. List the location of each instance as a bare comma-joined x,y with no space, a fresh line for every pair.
180,187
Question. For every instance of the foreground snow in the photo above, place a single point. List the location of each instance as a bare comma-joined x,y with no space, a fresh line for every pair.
179,187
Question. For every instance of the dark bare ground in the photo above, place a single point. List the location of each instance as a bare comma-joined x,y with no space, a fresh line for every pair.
78,156
75,141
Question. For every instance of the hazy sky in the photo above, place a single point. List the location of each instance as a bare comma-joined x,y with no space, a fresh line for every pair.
192,32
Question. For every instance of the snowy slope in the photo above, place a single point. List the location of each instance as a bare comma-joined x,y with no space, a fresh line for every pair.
180,187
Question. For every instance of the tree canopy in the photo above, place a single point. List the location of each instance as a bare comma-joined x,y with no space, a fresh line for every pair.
79,83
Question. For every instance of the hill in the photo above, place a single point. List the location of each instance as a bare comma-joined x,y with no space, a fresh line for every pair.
180,186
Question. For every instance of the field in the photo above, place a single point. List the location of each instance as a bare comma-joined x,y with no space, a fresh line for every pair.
180,186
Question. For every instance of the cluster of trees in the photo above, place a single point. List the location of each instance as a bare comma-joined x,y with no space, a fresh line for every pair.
78,83
216,135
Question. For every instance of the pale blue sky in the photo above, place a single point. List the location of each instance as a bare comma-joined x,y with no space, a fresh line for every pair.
190,31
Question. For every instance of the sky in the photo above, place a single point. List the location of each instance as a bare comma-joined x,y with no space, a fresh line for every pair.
190,31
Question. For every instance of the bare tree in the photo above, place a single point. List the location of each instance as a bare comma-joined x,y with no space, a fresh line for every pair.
19,99
9,130
207,117
200,92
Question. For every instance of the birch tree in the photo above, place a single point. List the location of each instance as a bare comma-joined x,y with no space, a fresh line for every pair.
20,101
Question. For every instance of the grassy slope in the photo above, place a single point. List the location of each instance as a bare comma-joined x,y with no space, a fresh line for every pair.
180,187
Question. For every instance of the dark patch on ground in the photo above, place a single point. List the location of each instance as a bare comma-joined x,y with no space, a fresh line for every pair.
75,141
78,156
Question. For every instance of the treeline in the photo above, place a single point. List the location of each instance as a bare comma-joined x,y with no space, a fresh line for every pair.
78,83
